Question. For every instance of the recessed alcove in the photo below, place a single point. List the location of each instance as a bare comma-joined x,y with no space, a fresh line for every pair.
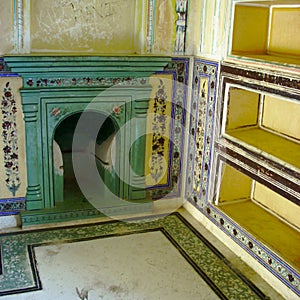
266,215
265,123
66,188
267,31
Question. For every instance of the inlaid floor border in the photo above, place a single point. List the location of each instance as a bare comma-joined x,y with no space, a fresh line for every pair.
183,244
1,271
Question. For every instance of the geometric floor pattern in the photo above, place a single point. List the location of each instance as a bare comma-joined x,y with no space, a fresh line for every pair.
21,251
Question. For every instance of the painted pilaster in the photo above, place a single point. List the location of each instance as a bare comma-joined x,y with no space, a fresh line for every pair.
181,24
34,194
137,157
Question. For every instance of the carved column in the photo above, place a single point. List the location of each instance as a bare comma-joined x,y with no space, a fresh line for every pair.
33,155
138,150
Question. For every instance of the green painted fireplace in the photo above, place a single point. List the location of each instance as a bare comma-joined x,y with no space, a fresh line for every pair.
99,95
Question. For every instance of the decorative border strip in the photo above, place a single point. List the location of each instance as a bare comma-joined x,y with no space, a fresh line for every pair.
258,251
262,76
1,262
276,181
19,26
150,25
12,206
86,82
201,130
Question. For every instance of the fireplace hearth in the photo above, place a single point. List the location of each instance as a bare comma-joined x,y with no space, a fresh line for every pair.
57,91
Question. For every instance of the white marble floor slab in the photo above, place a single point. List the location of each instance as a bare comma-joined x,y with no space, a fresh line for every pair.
131,267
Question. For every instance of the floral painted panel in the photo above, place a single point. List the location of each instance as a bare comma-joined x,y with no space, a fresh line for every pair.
158,129
173,153
202,115
10,140
12,146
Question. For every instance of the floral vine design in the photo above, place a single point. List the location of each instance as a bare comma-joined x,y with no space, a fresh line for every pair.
159,130
10,140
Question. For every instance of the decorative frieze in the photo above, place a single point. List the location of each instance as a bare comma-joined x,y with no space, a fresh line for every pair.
85,81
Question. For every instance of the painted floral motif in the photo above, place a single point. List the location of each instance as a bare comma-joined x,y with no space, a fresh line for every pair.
85,81
10,140
179,66
55,111
159,132
58,112
117,109
201,129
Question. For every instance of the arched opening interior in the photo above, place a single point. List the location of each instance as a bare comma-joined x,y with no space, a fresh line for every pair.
66,188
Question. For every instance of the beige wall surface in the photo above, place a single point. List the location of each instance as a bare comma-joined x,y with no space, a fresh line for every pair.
234,186
6,26
193,35
250,29
83,26
242,108
277,204
165,29
282,115
88,26
284,35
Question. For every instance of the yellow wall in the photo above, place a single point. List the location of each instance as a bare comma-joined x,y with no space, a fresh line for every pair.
277,204
165,27
237,186
285,39
234,185
193,34
83,26
89,27
242,108
261,28
282,116
6,26
250,29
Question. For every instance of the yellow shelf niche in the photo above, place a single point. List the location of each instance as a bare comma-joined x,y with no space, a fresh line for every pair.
269,217
267,31
266,123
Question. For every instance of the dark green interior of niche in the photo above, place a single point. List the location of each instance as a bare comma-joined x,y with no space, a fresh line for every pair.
64,135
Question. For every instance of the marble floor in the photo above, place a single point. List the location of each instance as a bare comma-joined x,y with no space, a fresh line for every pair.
166,257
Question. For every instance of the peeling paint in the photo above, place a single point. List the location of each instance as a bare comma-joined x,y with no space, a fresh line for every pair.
83,25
